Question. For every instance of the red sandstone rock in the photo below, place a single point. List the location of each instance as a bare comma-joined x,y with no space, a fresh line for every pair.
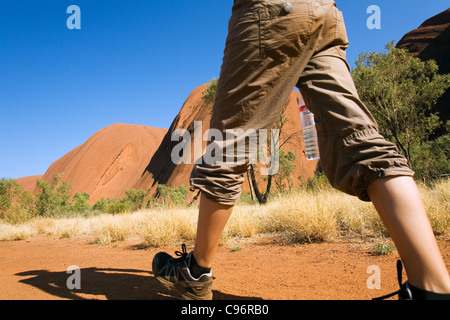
431,40
109,162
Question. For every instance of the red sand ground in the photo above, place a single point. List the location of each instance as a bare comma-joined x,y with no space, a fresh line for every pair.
37,269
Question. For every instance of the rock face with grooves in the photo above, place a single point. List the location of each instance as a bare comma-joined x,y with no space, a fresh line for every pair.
431,40
109,162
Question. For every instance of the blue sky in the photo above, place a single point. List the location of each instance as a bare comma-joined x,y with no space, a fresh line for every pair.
131,62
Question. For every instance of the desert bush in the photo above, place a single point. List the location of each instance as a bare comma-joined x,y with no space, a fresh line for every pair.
382,248
81,204
16,204
247,199
210,92
8,190
118,207
286,166
135,199
172,196
318,183
432,158
102,204
179,195
400,90
53,199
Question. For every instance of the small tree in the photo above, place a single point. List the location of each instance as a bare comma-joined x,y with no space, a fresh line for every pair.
179,195
135,198
284,163
284,172
210,92
172,195
163,192
118,207
432,158
102,204
400,91
8,190
53,198
81,204
16,204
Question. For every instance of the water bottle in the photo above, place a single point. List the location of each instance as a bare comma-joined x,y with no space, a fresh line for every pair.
309,132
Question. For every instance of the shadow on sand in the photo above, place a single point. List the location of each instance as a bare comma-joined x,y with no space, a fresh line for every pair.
112,284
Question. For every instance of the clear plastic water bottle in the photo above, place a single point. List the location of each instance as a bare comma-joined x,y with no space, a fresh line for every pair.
309,132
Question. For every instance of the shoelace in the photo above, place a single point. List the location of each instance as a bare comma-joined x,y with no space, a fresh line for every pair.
183,254
404,291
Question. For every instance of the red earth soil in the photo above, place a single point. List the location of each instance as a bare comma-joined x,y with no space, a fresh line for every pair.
261,270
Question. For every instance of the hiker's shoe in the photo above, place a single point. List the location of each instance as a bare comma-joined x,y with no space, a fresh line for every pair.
409,292
174,274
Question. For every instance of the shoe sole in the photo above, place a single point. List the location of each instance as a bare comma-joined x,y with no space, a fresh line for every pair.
185,294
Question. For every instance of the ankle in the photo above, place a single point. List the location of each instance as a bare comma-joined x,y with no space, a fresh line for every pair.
196,269
204,259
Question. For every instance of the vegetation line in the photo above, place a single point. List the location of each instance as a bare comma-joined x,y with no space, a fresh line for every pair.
312,214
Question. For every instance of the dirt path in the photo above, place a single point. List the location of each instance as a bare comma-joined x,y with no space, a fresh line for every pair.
37,269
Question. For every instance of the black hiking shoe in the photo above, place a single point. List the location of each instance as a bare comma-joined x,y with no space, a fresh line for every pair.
174,274
409,292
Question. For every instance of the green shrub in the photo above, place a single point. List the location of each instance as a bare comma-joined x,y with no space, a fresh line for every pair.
119,207
135,198
54,198
102,204
16,204
400,91
318,183
432,158
210,92
381,249
286,166
81,204
179,195
175,196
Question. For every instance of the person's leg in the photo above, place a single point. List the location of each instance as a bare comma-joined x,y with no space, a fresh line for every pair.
359,161
266,51
399,204
212,219
263,60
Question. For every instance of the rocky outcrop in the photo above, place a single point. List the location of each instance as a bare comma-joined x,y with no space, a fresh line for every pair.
431,40
109,162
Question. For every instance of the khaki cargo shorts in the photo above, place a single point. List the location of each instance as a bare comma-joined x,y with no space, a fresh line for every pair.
273,46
